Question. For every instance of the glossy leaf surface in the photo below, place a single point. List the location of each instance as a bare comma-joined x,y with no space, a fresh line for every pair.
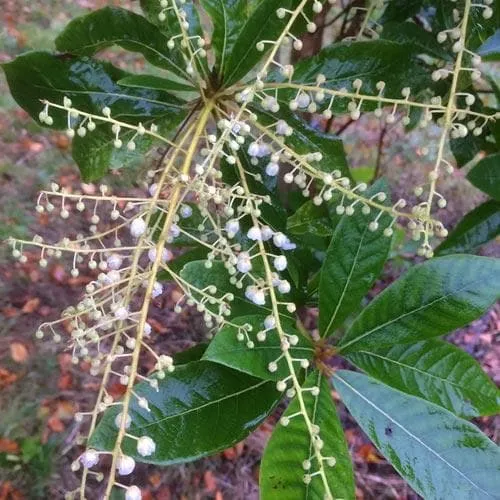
155,82
436,371
371,62
228,18
353,262
476,228
262,24
439,454
102,28
431,299
412,33
486,175
226,349
200,408
282,472
91,85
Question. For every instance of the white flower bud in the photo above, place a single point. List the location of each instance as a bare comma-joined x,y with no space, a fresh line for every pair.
272,169
244,265
269,322
280,263
146,446
121,313
166,255
115,261
284,286
89,458
133,493
125,465
254,234
138,227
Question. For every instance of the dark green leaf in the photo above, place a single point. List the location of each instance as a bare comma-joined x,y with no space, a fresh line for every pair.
155,83
200,408
228,18
191,354
342,63
401,10
486,175
440,455
306,139
91,85
102,28
95,152
198,275
282,471
414,34
263,24
226,349
311,220
476,228
465,149
431,299
354,259
436,371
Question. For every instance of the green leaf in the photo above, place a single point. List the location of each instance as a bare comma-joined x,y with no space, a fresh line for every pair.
228,18
354,260
476,228
465,149
109,26
401,10
486,175
91,85
170,25
155,83
311,220
306,139
439,454
199,276
431,299
199,409
263,24
95,153
414,34
226,349
342,63
436,371
282,472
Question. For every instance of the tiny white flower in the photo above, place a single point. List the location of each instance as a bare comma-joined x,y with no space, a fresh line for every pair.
288,245
119,418
272,169
254,149
152,189
157,290
259,297
121,313
115,261
284,286
282,127
303,100
280,263
232,227
267,233
89,458
279,239
264,150
254,234
269,322
137,227
244,264
125,465
133,493
166,255
113,276
147,329
146,446
174,231
186,211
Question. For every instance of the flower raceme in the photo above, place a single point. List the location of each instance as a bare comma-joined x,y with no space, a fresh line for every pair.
236,133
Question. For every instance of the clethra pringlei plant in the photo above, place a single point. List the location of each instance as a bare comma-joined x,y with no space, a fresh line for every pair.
254,216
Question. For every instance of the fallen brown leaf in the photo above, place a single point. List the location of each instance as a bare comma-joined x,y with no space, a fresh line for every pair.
8,446
19,352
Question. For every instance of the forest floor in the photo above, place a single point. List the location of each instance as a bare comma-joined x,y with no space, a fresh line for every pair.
40,390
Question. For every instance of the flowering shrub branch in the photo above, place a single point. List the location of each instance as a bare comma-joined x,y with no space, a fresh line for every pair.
215,192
